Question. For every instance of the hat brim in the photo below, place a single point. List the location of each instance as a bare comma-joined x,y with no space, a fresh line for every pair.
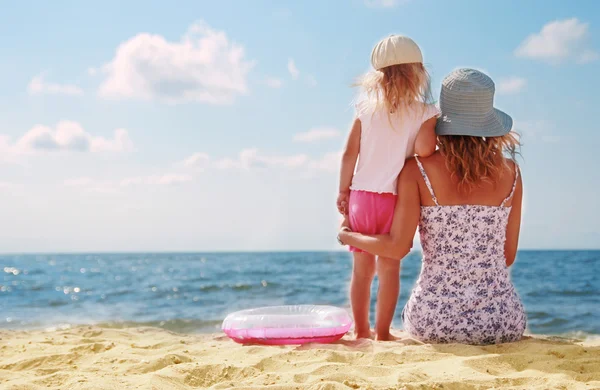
496,124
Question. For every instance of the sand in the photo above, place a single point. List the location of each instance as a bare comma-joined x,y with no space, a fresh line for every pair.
148,358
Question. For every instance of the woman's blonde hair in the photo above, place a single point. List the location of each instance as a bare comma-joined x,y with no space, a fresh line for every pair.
473,160
396,87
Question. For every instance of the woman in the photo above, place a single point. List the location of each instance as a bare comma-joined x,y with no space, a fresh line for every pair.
466,200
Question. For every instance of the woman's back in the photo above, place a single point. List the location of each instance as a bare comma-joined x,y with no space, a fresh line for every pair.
464,292
447,189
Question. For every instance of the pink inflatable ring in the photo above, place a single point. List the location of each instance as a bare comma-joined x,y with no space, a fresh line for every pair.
283,325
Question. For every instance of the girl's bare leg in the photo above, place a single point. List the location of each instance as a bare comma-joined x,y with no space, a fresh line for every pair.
388,273
363,272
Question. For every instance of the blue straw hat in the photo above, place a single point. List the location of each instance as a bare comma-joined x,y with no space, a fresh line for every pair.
467,105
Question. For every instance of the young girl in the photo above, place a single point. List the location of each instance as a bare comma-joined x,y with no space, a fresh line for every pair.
393,122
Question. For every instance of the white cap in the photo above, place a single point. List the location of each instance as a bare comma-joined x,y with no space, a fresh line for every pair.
395,50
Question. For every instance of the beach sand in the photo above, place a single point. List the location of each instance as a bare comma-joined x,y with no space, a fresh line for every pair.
148,358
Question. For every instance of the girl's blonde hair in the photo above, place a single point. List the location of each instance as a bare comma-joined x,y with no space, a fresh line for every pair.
396,87
473,160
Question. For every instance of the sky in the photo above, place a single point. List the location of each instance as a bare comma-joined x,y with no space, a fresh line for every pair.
218,126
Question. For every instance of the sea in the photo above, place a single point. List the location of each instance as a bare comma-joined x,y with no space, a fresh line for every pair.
193,292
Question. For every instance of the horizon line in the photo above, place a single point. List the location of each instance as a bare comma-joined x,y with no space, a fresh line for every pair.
248,251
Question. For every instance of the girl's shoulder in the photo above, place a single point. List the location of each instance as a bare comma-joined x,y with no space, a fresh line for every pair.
367,112
429,110
363,108
420,111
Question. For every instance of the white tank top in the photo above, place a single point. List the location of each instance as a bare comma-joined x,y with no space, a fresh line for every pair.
384,146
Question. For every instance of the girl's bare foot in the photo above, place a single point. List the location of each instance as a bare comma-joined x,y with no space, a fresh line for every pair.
365,335
386,337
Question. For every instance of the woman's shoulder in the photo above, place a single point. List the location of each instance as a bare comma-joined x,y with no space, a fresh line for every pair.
511,165
513,172
412,166
416,167
409,174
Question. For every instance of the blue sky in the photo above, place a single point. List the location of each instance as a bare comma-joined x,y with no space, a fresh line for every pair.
206,126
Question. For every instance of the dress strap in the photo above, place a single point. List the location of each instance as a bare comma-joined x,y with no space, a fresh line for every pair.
427,182
512,192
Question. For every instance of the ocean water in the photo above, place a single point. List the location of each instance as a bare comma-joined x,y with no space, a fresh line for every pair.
194,292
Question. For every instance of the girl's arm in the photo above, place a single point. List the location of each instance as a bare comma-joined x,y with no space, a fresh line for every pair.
398,242
426,140
349,158
514,225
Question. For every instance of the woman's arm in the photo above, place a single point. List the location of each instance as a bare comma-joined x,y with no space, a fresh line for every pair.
398,242
349,158
426,140
514,225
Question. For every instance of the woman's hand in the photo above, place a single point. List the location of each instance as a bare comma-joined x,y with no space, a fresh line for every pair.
343,233
344,230
345,222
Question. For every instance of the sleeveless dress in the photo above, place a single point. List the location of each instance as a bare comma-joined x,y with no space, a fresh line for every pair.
464,293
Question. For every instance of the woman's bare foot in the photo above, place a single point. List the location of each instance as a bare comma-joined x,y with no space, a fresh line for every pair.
386,337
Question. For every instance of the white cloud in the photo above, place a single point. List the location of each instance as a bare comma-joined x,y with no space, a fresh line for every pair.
511,85
38,86
330,162
120,143
274,82
227,163
197,160
384,3
204,66
310,80
92,71
5,144
252,158
317,134
67,136
559,41
294,72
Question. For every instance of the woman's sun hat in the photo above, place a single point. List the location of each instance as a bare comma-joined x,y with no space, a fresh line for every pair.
467,105
395,50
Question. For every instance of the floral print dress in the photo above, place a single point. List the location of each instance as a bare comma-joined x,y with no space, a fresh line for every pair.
464,293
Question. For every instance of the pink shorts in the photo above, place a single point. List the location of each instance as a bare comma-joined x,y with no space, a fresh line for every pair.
370,213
